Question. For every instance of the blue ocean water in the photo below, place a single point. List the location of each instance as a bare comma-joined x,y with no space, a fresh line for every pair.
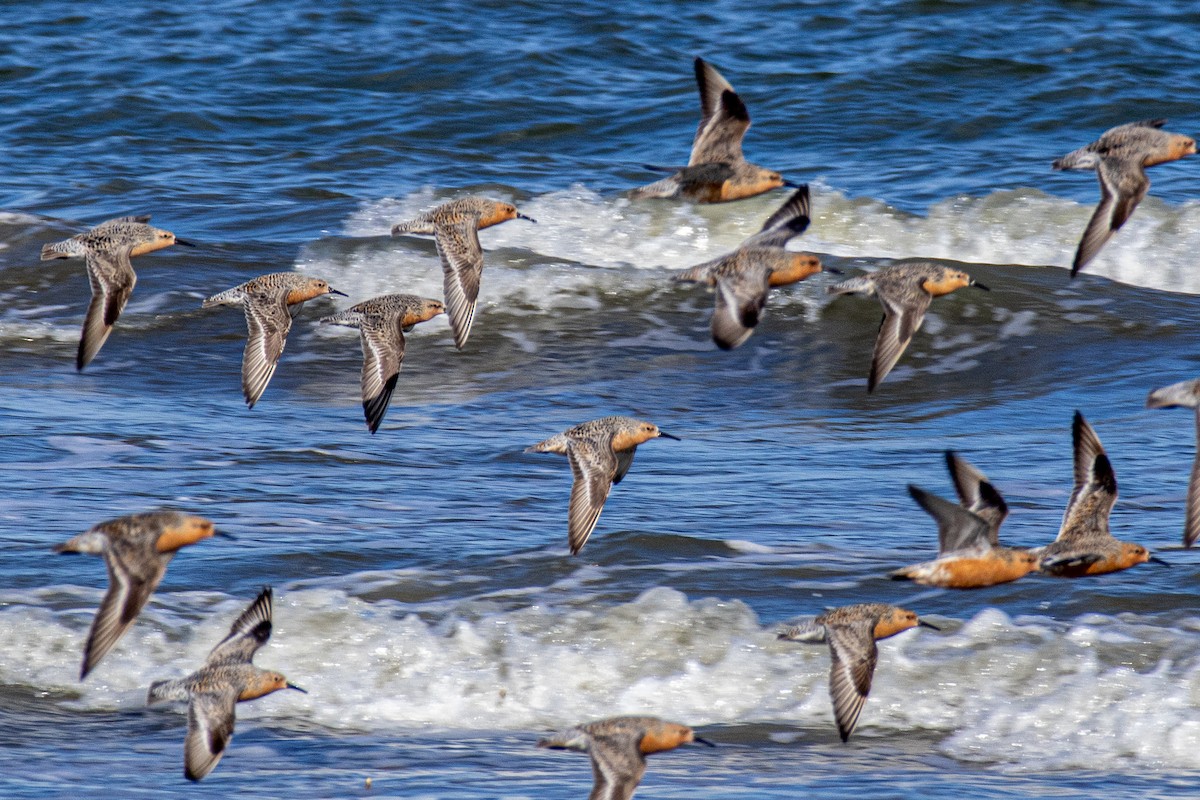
424,592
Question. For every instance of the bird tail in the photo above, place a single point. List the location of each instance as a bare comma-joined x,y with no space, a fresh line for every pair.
555,444
349,318
1083,158
161,691
65,249
860,284
229,297
667,187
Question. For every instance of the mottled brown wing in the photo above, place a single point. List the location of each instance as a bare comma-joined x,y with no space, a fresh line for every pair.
617,766
112,279
740,299
899,324
723,119
593,464
268,322
853,656
1095,490
1122,186
462,270
129,587
210,727
383,353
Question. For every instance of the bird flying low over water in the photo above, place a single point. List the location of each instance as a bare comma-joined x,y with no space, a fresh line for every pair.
1120,157
905,292
851,633
742,279
600,452
269,302
455,227
967,558
381,323
1085,546
106,250
136,550
717,171
618,748
213,691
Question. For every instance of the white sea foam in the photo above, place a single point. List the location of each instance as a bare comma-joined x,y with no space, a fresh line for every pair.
1027,692
582,238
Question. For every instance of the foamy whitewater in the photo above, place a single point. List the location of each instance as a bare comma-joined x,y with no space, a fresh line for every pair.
424,592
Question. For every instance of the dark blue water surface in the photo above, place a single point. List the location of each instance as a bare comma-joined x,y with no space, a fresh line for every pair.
424,592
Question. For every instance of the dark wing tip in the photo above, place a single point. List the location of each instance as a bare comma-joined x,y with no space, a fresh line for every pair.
733,106
1103,474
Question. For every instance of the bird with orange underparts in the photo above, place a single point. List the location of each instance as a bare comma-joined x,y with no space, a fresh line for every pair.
269,302
382,322
600,452
742,279
213,691
716,171
851,632
905,292
1185,395
1084,545
106,250
136,549
967,558
1120,157
618,748
455,227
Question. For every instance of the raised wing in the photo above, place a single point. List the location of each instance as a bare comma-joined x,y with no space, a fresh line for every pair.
723,119
959,530
249,632
789,221
1095,489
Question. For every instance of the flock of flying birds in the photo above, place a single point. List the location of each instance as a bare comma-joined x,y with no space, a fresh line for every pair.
137,548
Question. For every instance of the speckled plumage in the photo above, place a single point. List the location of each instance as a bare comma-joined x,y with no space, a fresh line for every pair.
1185,395
716,171
213,691
1120,157
381,322
850,632
269,301
107,250
618,747
455,227
136,565
743,278
600,452
905,292
1084,545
